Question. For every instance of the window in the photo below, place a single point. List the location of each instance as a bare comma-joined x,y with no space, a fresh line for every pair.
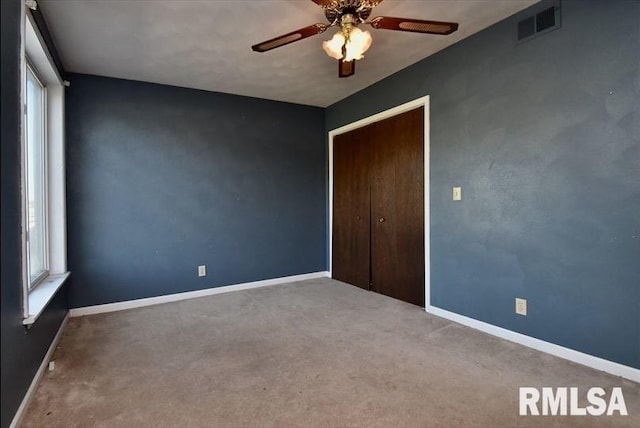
44,246
35,168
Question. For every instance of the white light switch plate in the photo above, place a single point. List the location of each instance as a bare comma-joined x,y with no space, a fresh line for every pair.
457,193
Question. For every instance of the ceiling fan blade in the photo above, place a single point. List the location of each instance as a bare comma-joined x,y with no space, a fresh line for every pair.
323,3
346,68
329,3
291,37
413,25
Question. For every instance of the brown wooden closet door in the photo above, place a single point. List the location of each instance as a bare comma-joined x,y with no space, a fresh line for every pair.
397,207
351,208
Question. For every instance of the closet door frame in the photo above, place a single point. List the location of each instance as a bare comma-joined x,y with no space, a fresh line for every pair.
411,105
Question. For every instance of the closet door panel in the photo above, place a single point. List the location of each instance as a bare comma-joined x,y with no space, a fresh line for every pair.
397,207
384,245
351,208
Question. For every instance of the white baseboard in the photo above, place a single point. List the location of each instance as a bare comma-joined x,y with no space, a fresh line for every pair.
138,303
540,345
17,419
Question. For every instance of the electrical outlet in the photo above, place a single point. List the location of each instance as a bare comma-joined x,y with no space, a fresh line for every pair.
521,306
457,193
202,270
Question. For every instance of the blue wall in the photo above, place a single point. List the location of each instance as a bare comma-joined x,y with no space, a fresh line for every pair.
162,179
22,350
544,138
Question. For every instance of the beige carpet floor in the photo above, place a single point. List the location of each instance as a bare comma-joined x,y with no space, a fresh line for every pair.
317,353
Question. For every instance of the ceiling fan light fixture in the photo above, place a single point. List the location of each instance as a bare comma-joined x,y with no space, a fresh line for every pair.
357,44
333,47
349,47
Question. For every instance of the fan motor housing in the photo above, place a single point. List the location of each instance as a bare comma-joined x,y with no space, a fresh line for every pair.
360,9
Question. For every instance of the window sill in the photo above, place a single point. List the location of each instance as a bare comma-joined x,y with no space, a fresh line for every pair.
40,296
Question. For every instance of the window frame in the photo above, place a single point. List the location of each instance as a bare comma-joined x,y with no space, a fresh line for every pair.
34,282
35,53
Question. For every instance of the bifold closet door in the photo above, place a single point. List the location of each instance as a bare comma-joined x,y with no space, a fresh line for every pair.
397,206
351,208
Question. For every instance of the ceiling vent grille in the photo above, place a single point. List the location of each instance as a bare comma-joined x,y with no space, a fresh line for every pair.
541,22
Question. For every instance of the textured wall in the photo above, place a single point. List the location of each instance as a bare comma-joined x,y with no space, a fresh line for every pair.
543,136
22,350
162,179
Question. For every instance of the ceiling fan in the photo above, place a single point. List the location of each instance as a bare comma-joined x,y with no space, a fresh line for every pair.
350,42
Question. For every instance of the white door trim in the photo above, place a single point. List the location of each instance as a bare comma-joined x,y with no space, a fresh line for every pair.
411,105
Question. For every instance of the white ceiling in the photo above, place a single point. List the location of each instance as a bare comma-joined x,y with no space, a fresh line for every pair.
206,44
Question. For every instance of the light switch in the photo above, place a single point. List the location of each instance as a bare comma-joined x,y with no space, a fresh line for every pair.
202,270
457,193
